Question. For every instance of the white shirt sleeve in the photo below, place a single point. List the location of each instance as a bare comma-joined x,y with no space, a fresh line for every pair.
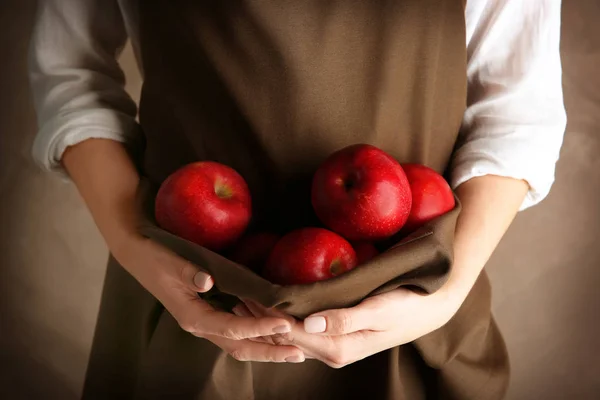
513,126
77,84
515,118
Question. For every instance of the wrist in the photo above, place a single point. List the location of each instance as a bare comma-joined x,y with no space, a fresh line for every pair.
120,242
454,291
120,227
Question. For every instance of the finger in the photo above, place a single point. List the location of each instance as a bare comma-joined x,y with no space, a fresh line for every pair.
312,345
218,323
245,350
341,321
242,311
338,351
262,339
280,340
259,310
319,347
194,278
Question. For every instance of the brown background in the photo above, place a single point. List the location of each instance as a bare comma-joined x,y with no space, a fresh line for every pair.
546,271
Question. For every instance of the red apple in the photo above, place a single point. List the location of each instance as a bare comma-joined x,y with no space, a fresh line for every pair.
365,251
431,195
204,202
362,193
253,250
308,255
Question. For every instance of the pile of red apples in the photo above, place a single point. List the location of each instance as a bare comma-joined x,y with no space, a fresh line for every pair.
361,195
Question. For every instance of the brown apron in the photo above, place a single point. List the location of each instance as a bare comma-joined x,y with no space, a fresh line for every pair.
271,88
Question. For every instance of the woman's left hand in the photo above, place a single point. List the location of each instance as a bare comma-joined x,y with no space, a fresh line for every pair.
344,336
489,204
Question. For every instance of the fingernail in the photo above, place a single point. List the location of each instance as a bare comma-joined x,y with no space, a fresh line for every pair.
315,325
236,310
282,329
294,359
202,281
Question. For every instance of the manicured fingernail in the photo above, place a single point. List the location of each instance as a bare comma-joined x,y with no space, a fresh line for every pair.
294,359
315,325
282,329
202,281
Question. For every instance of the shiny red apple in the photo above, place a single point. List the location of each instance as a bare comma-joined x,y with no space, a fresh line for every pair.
431,195
362,193
309,255
365,251
204,202
254,249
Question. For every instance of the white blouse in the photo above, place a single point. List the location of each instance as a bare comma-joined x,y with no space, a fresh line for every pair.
513,126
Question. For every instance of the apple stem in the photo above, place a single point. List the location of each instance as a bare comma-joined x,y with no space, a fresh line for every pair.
222,191
336,267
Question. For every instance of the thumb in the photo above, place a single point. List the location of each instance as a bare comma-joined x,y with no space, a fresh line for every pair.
196,279
338,322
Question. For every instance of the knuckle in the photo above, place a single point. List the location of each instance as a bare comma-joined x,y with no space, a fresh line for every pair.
343,322
340,357
188,326
267,339
230,333
279,340
271,356
276,358
184,269
335,366
192,326
239,355
337,361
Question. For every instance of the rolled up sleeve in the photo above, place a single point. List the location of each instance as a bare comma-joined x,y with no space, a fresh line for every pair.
77,84
515,119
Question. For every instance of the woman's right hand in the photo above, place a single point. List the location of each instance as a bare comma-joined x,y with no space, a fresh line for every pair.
176,283
108,182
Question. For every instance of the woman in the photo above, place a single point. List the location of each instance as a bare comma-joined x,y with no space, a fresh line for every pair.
271,88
